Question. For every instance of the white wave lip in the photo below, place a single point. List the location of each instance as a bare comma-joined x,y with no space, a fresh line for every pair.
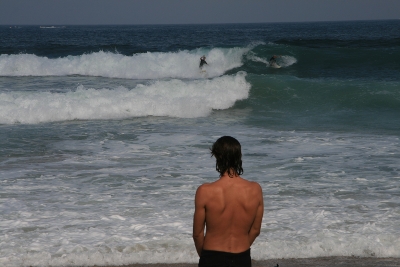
156,65
174,98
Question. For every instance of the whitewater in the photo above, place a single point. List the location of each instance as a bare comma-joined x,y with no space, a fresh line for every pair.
173,98
181,64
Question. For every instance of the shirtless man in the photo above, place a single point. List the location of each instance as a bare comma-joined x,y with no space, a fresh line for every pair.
229,209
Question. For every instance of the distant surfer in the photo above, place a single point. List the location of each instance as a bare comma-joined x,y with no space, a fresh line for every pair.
272,60
202,62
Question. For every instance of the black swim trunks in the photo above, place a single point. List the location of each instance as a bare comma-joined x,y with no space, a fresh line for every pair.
211,258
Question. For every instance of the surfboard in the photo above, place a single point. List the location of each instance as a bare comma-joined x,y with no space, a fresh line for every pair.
203,73
276,66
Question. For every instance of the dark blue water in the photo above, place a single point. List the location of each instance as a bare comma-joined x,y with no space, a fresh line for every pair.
334,73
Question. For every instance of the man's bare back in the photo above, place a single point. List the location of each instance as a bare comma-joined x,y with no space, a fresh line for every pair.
232,209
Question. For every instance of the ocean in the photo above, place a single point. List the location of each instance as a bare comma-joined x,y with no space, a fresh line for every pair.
105,134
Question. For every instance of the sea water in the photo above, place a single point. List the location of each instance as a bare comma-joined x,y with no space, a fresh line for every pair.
105,134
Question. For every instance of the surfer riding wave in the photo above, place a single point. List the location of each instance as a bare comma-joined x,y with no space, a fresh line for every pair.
272,61
202,62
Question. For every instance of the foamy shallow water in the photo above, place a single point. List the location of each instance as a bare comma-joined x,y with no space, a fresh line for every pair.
106,196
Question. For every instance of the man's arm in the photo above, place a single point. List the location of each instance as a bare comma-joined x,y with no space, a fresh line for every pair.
256,227
199,219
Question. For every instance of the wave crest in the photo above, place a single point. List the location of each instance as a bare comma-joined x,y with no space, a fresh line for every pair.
156,65
173,98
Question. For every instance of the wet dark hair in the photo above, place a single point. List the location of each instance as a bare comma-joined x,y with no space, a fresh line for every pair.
228,154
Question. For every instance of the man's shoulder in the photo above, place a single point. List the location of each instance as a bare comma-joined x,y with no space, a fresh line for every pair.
216,185
251,183
209,188
204,187
205,192
253,187
257,187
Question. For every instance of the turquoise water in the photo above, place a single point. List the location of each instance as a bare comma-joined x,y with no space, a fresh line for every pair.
105,133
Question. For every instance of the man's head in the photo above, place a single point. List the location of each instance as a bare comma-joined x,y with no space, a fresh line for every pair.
228,153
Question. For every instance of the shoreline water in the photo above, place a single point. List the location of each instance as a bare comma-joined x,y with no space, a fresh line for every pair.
296,262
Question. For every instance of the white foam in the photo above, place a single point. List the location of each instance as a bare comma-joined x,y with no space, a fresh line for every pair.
155,65
138,208
174,98
286,61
